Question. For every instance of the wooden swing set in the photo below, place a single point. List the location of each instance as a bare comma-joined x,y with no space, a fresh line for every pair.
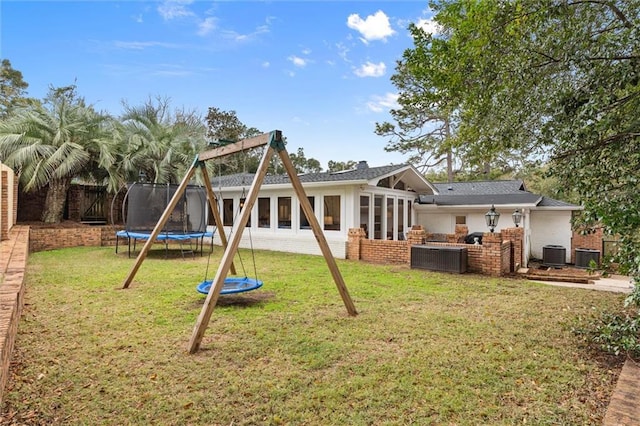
275,145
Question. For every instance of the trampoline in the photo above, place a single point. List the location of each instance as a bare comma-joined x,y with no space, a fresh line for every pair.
231,285
145,204
165,237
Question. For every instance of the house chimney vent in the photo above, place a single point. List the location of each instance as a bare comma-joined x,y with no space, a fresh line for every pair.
362,165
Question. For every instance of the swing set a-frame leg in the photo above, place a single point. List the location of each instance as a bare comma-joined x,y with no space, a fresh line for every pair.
167,214
161,222
218,281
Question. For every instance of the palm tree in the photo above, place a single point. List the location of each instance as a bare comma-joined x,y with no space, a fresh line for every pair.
49,144
158,143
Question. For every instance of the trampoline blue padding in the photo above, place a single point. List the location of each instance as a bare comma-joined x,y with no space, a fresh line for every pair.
163,236
231,285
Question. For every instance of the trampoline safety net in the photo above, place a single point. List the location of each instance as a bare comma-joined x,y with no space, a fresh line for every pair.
146,202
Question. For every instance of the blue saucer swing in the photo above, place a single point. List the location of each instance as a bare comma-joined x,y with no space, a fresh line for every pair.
231,285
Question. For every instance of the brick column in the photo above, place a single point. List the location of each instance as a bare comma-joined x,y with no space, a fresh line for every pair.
353,243
516,237
461,232
416,235
492,254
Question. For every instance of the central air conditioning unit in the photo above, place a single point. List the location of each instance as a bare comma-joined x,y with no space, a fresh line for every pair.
439,258
584,257
554,255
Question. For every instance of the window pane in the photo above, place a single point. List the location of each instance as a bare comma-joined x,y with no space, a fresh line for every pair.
461,220
284,212
377,217
264,213
304,222
364,214
332,212
227,212
242,200
400,219
390,218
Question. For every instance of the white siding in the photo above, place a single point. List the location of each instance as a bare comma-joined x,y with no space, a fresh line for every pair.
436,223
550,228
303,242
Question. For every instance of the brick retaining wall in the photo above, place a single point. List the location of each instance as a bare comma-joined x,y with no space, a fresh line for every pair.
13,260
81,236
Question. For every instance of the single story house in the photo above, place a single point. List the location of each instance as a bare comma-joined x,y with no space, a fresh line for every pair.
545,221
386,202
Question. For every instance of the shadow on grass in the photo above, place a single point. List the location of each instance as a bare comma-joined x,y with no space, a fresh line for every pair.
240,300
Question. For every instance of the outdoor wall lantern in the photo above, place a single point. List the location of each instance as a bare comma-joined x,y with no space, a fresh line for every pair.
517,217
492,217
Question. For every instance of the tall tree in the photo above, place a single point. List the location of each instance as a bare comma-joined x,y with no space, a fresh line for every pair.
559,80
225,127
51,143
304,164
13,88
426,117
338,166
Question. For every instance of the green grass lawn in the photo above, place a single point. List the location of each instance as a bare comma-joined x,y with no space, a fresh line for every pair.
426,348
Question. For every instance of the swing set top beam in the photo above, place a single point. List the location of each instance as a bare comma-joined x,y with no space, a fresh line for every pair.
243,145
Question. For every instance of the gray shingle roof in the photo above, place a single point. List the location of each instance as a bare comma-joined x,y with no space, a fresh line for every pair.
468,200
499,192
481,187
363,174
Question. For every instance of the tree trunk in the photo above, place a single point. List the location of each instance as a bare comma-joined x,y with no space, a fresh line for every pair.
447,133
55,200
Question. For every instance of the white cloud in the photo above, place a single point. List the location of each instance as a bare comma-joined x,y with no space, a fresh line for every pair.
298,61
240,38
141,45
206,26
343,51
173,9
266,64
429,26
383,103
370,69
373,27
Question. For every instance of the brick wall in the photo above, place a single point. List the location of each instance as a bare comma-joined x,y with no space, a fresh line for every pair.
4,205
586,239
384,251
8,200
42,239
31,205
497,256
54,238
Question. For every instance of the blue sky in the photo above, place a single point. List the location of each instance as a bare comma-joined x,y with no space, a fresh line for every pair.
317,70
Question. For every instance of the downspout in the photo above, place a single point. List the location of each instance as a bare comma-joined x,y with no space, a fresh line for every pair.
526,250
